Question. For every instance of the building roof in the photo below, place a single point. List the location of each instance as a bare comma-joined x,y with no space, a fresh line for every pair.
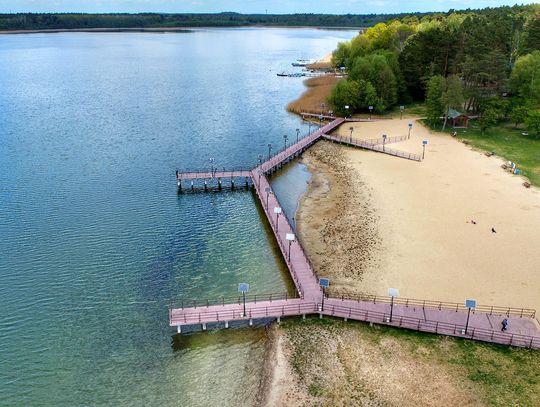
452,114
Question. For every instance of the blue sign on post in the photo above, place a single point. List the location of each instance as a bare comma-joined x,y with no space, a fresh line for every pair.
243,288
424,142
324,282
470,303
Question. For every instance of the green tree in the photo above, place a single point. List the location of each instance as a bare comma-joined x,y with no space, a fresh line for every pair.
340,56
434,101
532,122
487,119
345,93
452,97
519,114
525,77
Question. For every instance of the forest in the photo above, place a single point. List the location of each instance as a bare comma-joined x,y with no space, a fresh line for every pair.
31,21
485,63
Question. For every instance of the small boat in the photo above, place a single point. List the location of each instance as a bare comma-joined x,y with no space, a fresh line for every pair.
283,74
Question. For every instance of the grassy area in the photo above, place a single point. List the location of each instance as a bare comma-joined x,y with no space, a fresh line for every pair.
508,143
344,362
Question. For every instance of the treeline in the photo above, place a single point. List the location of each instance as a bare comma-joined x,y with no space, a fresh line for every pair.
485,62
31,21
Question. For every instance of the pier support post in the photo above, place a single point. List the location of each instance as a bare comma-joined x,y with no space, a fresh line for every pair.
278,320
219,183
232,183
250,322
320,316
303,316
247,183
179,184
345,319
205,186
178,329
226,324
192,187
204,327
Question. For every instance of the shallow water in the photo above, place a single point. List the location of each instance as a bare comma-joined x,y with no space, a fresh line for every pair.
94,241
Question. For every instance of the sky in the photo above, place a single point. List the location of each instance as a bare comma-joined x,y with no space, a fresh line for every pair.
247,6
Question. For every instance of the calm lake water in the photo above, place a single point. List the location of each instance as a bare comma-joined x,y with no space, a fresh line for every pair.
94,241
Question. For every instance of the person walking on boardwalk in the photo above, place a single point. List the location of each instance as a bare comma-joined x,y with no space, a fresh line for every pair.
504,324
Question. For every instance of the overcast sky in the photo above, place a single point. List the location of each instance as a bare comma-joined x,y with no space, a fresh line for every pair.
246,6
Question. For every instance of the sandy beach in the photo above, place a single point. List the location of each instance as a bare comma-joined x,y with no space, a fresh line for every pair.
408,225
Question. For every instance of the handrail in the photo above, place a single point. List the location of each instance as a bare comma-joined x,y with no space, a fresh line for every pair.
374,147
250,298
252,312
453,306
419,324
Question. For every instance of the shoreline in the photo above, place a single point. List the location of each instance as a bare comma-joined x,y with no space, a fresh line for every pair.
183,29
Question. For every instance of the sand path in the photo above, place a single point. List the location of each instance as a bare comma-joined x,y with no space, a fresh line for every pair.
427,246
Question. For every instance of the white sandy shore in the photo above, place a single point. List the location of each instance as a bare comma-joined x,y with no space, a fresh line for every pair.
430,248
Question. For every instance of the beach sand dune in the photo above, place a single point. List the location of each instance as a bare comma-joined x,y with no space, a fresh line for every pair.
372,221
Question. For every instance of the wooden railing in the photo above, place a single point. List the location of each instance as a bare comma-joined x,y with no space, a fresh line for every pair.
437,327
374,147
452,306
239,299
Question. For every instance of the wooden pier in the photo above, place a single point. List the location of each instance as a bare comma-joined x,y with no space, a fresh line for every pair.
483,323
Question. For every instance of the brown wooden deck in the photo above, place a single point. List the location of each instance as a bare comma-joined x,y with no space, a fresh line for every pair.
426,316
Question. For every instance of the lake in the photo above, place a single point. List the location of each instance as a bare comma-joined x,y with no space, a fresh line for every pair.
95,243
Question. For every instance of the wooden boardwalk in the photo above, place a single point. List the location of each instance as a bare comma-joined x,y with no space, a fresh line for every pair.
426,316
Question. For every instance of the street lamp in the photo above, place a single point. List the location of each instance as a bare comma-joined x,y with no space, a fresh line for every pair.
410,128
268,192
424,144
392,292
212,161
290,237
383,141
401,109
260,173
324,283
470,304
370,110
320,120
243,288
277,211
285,137
269,150
347,110
297,134
351,129
260,159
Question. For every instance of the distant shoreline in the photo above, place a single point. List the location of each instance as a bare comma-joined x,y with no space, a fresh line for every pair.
166,29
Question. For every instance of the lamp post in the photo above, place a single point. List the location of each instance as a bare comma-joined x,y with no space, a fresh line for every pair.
260,157
277,211
285,138
297,134
383,141
410,128
268,192
323,105
320,120
269,150
260,173
347,110
424,144
392,292
331,113
212,161
401,109
370,110
290,237
470,304
324,283
243,288
351,129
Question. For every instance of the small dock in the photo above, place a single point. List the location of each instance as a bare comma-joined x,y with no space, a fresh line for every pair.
452,319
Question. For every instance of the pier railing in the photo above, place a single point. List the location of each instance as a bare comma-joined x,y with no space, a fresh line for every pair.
437,327
381,140
374,147
452,306
186,173
270,311
250,298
